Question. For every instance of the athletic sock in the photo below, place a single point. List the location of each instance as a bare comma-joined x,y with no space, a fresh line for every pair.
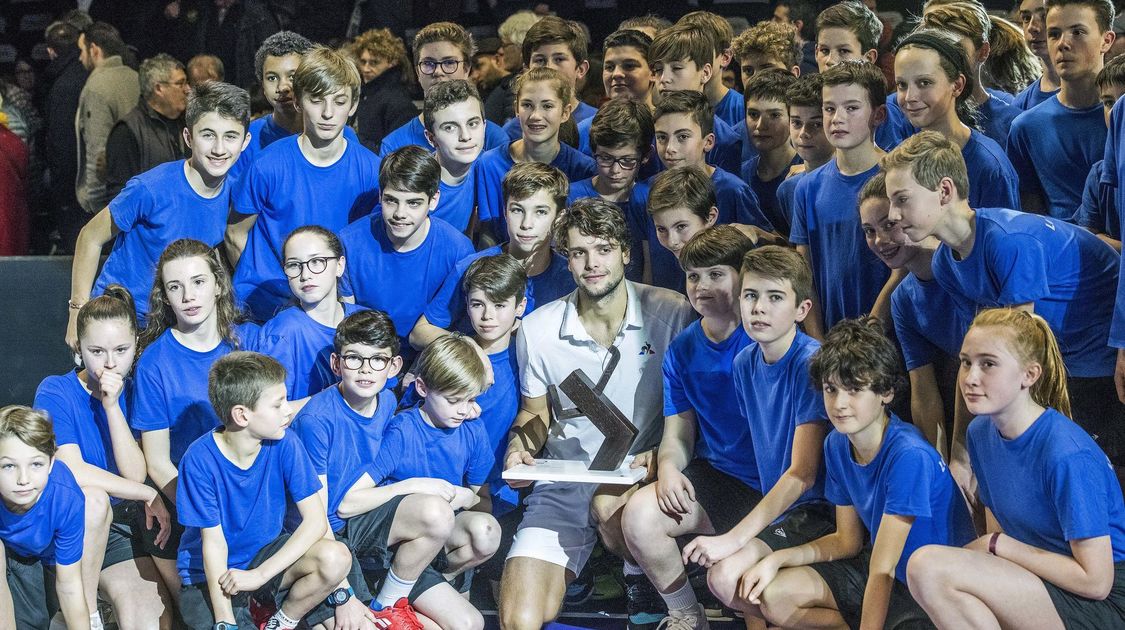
631,569
284,621
394,589
682,598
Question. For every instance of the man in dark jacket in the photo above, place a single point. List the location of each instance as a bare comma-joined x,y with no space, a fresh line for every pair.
65,75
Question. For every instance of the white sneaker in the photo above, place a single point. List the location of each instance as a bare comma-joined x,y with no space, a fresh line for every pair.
691,619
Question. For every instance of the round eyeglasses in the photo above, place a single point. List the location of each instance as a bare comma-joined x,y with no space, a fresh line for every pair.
627,163
314,265
448,66
355,362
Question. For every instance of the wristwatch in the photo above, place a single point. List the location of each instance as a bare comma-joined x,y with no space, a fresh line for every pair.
222,625
339,597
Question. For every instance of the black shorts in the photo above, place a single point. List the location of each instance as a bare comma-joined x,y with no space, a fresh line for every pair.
847,579
367,534
725,499
195,603
1079,613
802,524
28,584
1095,407
129,521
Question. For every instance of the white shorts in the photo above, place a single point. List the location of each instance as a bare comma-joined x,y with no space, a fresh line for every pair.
556,525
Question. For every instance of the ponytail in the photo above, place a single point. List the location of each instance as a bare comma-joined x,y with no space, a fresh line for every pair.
1033,341
115,303
1011,66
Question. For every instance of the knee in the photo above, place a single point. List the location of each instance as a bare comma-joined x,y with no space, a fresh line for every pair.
642,519
722,580
434,516
521,618
484,533
777,604
926,570
468,621
333,560
98,513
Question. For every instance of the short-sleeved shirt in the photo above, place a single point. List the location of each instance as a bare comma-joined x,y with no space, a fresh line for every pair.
1048,144
414,132
1032,95
928,320
53,529
1065,270
287,191
736,201
456,202
825,220
698,377
731,108
785,193
341,442
265,131
249,504
635,211
995,116
993,182
766,192
1098,210
907,477
1067,487
1112,176
79,418
399,283
414,448
582,112
303,346
499,405
727,151
156,208
552,343
775,399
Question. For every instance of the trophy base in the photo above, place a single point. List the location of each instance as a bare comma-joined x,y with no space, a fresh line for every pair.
574,471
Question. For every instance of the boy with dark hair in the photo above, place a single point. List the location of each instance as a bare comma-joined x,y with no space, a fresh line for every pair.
233,487
1098,210
649,24
443,51
767,45
455,125
706,478
806,134
802,15
342,428
727,103
317,177
534,196
767,128
825,229
183,199
1048,144
681,203
625,74
1032,16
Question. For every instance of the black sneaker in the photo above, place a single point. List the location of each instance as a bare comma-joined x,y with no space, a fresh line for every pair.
643,602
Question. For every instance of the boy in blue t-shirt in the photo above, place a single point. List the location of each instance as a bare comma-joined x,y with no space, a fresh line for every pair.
681,203
625,75
443,51
806,133
995,257
400,255
706,475
183,199
319,177
883,477
728,104
1098,211
1054,142
342,429
42,522
454,119
534,195
767,130
1033,19
233,487
848,279
763,47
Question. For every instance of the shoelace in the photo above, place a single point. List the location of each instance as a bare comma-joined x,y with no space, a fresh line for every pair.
691,621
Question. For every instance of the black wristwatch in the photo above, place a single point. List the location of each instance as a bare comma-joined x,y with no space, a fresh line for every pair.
222,625
339,597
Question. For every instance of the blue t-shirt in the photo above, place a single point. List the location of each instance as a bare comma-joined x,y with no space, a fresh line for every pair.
156,208
1049,144
1032,95
928,320
447,308
249,504
412,448
414,132
170,391
785,193
907,477
727,152
995,117
286,191
775,399
488,178
736,201
79,418
826,220
895,128
635,211
731,108
582,113
1098,212
1065,270
499,405
399,283
766,192
456,203
1067,489
340,442
993,182
1112,176
53,530
303,346
698,377
749,151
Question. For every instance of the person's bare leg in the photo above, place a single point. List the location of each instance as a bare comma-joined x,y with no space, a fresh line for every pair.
136,591
475,537
98,518
531,593
799,598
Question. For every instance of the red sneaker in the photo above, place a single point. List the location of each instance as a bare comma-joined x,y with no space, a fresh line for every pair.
398,617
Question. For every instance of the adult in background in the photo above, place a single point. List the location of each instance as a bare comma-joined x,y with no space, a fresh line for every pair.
384,99
65,75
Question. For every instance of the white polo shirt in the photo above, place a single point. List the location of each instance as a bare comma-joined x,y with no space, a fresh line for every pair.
552,343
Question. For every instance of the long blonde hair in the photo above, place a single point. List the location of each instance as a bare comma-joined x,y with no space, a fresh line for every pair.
1032,341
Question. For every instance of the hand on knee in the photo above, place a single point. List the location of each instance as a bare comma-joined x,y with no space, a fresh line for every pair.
433,515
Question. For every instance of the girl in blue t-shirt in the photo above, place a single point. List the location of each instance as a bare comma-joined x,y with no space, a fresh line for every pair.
88,410
300,337
193,321
1053,556
41,523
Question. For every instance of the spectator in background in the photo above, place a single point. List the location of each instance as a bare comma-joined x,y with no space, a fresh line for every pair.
218,29
13,191
202,68
384,100
802,15
488,65
63,79
499,104
153,132
111,92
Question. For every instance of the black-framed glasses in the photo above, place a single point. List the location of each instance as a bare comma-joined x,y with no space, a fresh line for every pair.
182,83
627,163
315,266
448,66
378,363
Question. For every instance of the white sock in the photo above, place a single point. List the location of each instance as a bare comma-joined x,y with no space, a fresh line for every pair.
632,569
682,599
284,621
96,621
394,588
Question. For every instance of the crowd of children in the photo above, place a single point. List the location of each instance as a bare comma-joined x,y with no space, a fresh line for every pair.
871,337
